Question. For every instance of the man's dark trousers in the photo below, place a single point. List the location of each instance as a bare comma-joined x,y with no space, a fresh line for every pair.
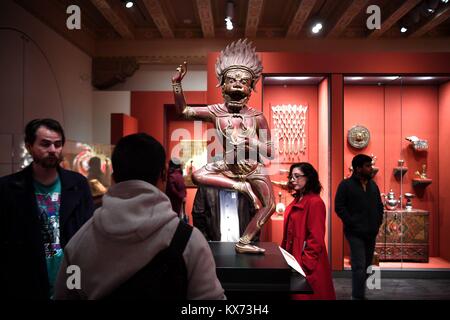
361,254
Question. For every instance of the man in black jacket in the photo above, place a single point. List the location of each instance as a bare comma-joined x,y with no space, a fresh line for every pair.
208,210
41,208
358,204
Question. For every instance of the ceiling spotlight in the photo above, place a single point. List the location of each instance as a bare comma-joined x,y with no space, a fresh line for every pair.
317,27
444,1
228,24
229,15
403,29
430,10
129,4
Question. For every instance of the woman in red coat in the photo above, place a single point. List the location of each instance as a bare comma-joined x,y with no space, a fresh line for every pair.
304,231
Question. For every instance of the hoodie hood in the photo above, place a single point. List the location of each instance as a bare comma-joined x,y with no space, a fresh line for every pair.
133,211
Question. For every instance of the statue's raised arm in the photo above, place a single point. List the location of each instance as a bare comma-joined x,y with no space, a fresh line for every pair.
193,113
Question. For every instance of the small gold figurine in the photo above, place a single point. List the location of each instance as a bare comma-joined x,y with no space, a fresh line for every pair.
423,174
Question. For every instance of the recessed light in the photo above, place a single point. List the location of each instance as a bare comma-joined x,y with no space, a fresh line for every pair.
424,78
354,78
317,27
288,78
391,77
403,29
228,23
430,10
129,4
444,1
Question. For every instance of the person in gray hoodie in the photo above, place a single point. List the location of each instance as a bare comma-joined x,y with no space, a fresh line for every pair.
135,246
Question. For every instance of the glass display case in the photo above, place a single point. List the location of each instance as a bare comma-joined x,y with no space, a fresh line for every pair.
397,120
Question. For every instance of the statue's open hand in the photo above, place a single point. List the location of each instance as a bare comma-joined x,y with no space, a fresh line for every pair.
181,71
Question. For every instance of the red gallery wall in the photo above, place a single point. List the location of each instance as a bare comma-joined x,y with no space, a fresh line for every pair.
299,95
444,171
392,113
122,125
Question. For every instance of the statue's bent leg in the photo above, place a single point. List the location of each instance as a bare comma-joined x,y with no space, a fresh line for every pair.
263,187
212,176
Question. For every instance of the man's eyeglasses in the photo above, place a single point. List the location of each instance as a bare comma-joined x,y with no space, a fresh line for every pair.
296,176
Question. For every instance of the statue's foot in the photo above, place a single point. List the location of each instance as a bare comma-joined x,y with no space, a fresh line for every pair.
248,248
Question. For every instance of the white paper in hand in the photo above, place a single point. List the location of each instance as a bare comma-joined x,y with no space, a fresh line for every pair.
291,261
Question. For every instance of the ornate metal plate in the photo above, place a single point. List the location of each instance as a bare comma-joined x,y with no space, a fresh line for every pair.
358,136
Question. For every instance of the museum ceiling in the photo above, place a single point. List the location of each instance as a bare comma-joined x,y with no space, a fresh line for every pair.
157,28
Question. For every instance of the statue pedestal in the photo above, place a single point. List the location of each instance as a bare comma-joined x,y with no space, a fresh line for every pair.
256,275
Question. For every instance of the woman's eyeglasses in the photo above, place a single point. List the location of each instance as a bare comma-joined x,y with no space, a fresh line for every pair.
296,176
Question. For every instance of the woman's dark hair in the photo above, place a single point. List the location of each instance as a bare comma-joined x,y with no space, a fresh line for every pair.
312,177
34,125
138,157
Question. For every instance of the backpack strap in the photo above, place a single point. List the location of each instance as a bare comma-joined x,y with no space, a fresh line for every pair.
181,238
164,277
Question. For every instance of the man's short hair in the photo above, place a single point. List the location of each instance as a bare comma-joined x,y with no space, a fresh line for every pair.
138,156
32,127
359,160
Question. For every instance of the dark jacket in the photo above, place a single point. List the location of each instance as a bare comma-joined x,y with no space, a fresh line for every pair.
176,189
23,268
206,213
361,211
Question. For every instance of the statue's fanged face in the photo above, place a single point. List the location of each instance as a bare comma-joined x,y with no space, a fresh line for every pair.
236,88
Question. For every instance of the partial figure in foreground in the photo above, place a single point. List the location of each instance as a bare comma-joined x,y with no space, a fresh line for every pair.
135,246
244,135
43,206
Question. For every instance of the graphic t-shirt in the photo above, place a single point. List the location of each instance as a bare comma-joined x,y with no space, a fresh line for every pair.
48,201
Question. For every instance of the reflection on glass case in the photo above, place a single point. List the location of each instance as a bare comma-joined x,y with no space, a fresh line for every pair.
91,160
193,155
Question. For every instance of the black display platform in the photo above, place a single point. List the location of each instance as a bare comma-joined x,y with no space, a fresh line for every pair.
266,273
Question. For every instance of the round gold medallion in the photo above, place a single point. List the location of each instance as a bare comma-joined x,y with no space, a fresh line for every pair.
358,137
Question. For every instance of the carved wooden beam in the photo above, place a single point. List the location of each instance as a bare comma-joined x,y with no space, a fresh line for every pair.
350,13
253,16
300,18
55,17
118,23
206,17
108,71
434,22
155,10
406,7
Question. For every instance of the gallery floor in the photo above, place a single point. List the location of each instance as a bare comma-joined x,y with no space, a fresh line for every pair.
398,289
